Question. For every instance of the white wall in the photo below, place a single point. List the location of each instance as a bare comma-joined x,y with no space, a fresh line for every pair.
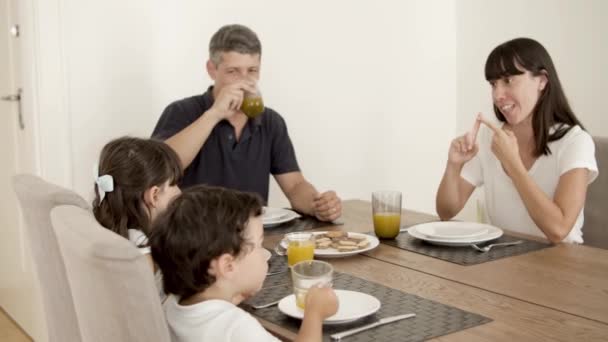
368,94
574,33
372,95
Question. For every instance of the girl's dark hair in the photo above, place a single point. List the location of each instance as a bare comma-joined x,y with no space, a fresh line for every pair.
552,107
136,165
200,225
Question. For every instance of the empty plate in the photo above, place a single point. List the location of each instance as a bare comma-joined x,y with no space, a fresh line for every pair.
352,306
272,217
452,230
273,214
490,234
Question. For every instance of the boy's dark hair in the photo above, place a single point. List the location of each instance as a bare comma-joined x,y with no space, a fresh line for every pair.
136,165
198,226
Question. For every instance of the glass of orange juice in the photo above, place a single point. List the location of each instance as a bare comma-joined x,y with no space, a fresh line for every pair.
306,274
253,105
300,247
386,210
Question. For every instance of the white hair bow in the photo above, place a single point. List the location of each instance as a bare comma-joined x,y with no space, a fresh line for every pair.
105,183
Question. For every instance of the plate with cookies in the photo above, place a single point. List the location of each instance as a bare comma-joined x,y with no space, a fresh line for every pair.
338,244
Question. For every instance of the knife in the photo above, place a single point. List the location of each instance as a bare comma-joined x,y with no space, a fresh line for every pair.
386,320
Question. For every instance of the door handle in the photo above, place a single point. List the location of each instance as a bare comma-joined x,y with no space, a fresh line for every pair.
16,98
13,97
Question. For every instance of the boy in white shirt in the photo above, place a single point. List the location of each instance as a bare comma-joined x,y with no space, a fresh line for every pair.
208,244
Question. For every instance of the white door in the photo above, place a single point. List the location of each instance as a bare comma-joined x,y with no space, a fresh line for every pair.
19,293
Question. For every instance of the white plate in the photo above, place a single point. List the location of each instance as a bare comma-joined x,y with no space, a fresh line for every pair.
452,230
273,214
351,307
491,234
334,253
273,217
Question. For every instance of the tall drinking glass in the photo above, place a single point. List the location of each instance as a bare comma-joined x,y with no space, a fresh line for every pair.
386,210
253,105
306,274
300,247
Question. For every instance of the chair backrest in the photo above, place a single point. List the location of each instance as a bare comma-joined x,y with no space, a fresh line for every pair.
595,229
37,197
112,283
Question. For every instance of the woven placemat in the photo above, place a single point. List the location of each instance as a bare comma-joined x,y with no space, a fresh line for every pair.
465,255
432,319
277,263
302,223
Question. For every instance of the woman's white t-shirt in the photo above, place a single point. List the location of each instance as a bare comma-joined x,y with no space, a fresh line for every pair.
504,207
140,240
212,320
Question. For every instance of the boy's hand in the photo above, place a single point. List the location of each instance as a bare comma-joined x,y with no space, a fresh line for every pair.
321,301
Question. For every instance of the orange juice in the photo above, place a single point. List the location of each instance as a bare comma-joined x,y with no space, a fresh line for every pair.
309,273
300,297
386,225
252,106
299,251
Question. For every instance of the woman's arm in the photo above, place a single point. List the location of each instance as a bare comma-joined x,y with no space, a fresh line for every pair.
453,192
555,217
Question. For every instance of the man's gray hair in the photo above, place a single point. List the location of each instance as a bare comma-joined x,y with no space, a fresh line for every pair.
233,38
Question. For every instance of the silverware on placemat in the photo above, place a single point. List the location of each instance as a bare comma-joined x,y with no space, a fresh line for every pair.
267,305
276,272
386,320
503,244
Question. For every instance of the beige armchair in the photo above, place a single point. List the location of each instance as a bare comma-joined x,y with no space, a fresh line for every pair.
112,283
37,198
595,229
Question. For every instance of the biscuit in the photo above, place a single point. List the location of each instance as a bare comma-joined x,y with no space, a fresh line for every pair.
357,237
363,243
323,245
347,243
336,234
347,248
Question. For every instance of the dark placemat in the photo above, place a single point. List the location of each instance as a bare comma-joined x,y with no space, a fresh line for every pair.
465,255
432,319
277,263
302,223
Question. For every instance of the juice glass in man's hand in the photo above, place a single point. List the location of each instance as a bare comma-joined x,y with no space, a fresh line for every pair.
253,105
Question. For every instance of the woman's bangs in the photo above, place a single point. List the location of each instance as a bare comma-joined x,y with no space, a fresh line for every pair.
501,63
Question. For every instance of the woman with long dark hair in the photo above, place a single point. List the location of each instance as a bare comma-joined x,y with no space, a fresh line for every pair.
536,164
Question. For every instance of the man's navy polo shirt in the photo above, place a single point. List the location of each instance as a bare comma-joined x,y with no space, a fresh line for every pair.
264,147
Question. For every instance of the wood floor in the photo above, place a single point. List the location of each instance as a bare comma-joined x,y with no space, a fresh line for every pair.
10,331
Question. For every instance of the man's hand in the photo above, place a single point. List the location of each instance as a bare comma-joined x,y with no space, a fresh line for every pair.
327,206
230,98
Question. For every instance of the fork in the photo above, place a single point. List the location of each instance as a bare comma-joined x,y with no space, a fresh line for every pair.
267,305
487,248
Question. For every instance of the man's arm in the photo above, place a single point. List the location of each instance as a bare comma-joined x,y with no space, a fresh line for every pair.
306,199
189,141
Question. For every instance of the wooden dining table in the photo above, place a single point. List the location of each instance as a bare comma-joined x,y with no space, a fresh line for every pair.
558,293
